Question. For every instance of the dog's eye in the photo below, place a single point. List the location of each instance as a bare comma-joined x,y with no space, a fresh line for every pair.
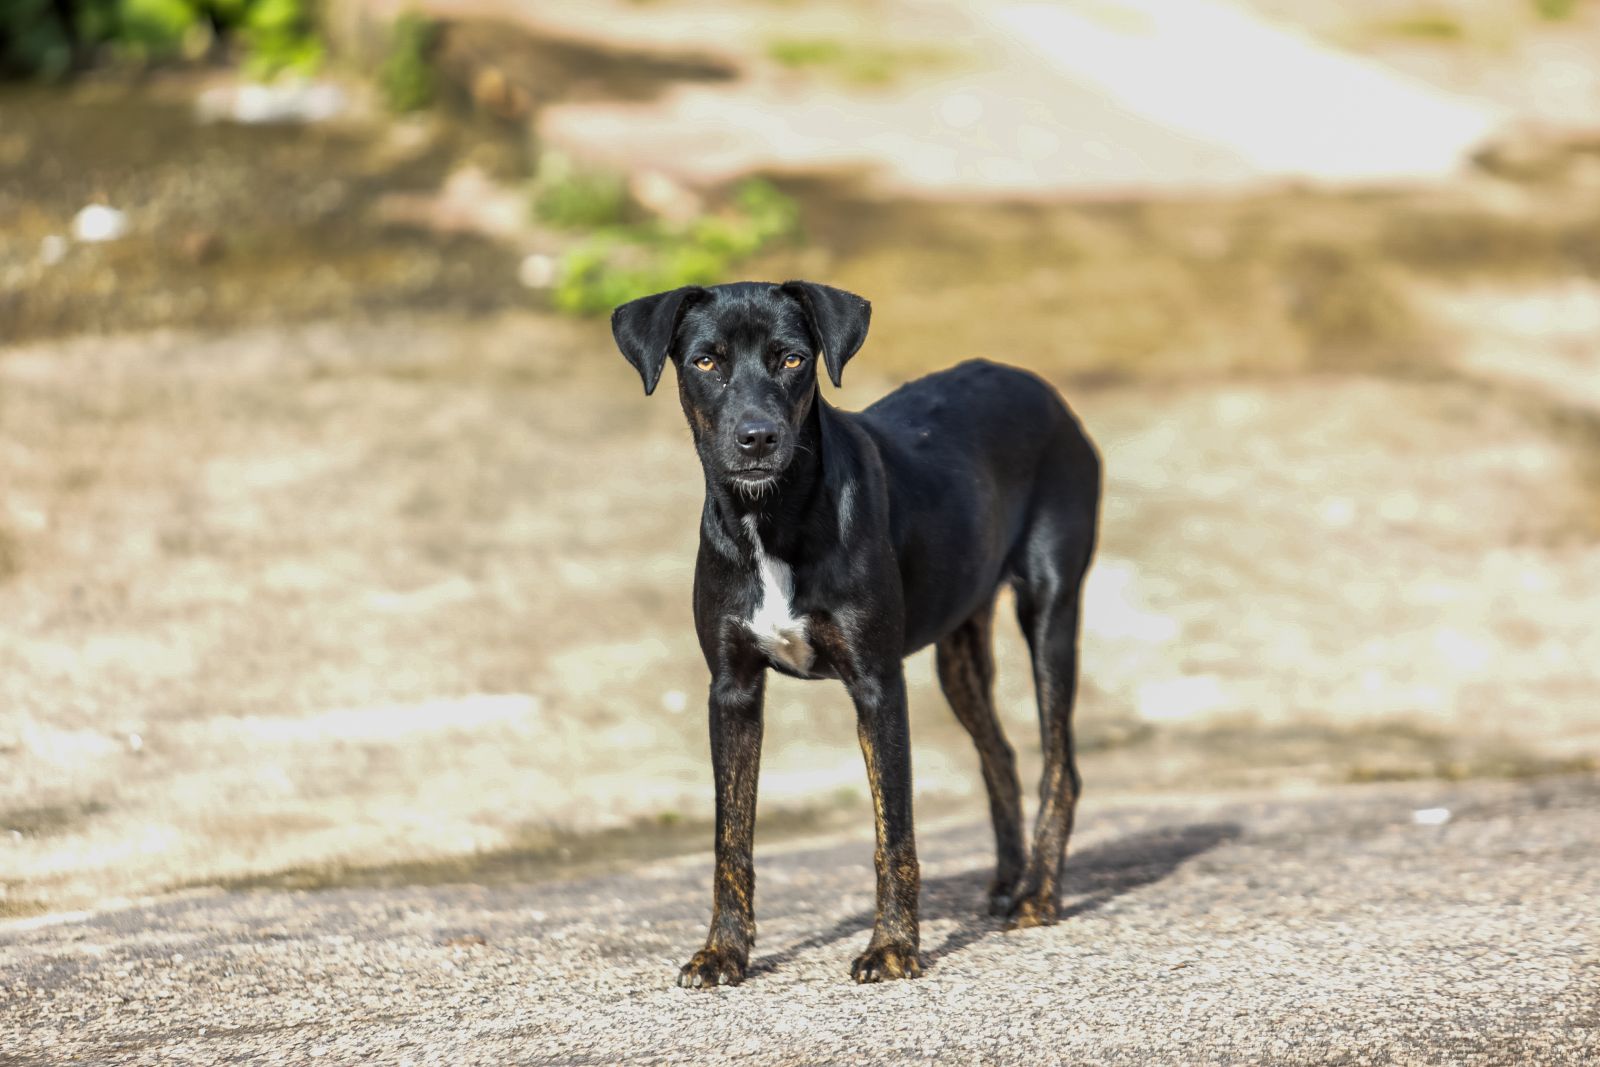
793,360
705,363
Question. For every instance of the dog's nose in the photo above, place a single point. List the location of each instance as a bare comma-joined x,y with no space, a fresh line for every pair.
757,437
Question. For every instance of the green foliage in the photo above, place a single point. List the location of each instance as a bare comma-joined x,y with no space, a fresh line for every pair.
278,35
154,27
862,64
811,52
576,199
1555,10
406,78
621,263
32,40
1429,26
98,20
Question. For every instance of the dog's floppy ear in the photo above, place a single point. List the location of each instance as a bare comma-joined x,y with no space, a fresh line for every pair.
838,319
644,328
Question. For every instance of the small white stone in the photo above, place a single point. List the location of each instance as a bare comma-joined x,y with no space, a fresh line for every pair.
1431,816
135,742
960,110
98,222
1462,651
1113,608
297,101
1400,507
1036,143
1338,511
537,271
53,249
1180,698
665,197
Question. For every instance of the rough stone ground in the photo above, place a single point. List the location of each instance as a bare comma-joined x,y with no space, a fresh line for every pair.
1332,927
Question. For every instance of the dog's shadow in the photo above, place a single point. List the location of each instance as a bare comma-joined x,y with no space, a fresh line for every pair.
1091,879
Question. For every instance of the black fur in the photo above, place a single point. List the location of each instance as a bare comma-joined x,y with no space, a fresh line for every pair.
899,524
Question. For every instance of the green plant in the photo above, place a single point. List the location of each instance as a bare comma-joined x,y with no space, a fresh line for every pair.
279,36
153,29
1429,26
809,52
620,263
36,36
577,199
1555,10
406,77
32,39
862,64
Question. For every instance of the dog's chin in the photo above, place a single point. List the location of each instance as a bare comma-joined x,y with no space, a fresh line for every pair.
754,481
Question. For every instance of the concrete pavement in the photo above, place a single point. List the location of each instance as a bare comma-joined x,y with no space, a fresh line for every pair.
1337,926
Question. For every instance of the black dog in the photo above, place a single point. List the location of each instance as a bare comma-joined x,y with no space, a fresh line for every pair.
835,544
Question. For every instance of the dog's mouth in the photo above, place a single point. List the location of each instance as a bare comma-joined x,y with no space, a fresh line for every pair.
753,479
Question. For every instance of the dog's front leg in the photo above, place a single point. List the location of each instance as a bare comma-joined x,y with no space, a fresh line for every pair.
736,712
883,727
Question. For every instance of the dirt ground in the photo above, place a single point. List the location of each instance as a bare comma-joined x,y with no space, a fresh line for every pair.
367,567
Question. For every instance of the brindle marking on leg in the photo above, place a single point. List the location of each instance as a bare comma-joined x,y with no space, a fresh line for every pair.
965,663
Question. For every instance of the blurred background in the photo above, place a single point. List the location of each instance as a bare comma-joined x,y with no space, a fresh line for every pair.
337,544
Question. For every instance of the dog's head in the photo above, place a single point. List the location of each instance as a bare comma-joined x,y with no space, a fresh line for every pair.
746,359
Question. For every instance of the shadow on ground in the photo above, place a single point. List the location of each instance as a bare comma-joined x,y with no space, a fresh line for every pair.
1092,878
538,855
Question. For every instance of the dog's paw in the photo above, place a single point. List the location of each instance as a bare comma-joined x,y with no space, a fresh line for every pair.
1001,896
885,962
712,967
1038,909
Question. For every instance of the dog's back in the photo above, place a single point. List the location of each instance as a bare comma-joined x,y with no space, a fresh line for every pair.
978,455
971,404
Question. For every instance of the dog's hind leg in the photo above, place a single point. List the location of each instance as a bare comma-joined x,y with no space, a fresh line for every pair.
1050,566
965,661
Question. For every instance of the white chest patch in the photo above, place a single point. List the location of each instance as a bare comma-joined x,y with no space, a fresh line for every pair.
780,634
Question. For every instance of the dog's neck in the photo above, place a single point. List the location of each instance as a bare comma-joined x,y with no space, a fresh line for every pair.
776,512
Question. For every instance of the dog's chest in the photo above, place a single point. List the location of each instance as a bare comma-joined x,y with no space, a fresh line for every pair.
780,633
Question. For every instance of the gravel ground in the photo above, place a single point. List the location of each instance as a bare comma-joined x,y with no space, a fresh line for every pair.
1335,926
